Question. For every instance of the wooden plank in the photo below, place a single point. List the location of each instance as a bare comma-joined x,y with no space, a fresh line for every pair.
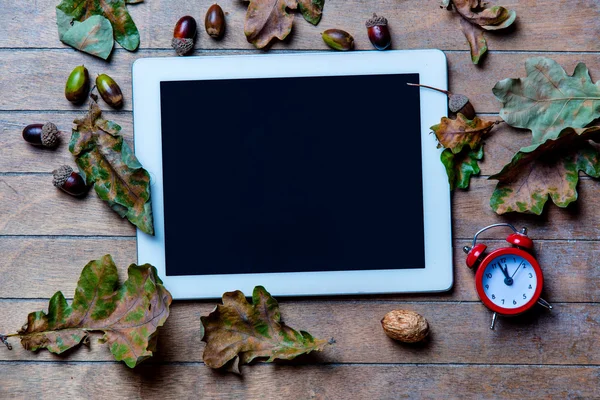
281,381
414,24
45,265
31,205
41,85
460,333
16,155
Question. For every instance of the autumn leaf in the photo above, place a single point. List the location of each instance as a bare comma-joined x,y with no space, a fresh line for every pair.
547,169
461,166
238,332
108,162
477,42
311,10
129,315
454,134
93,36
124,29
493,18
548,100
268,19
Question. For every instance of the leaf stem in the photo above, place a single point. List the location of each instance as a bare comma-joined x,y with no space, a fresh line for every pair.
447,93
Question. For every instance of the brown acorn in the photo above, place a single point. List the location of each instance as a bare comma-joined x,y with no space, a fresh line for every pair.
46,135
338,39
457,103
378,31
69,181
109,90
184,35
214,22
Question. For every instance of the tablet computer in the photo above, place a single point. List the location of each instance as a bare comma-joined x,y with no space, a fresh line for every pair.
309,174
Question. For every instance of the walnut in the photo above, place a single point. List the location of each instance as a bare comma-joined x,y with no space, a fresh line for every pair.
405,326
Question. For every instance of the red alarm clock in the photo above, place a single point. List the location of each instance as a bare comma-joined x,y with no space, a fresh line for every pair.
508,280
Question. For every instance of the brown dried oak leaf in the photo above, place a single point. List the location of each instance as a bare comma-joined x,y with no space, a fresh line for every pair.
547,169
129,315
454,134
268,19
237,332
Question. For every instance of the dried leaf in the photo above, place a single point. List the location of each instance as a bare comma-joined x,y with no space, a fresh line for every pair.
474,35
547,169
460,167
548,100
493,18
238,329
311,10
268,19
129,315
93,36
454,134
124,29
107,161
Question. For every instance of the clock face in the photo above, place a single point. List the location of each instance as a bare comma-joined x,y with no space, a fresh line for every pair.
509,281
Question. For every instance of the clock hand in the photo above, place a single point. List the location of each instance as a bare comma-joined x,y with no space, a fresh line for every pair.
507,279
514,273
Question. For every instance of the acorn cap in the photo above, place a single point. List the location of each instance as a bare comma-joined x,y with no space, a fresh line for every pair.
457,101
61,175
182,46
50,135
376,21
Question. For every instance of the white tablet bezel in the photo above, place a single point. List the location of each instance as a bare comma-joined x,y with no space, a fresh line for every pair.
429,64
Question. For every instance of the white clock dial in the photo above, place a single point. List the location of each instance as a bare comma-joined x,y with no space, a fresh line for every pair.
509,281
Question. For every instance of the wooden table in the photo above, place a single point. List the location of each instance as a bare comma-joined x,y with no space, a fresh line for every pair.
47,236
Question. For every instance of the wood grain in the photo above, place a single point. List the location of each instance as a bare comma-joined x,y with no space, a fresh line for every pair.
460,333
329,382
423,25
44,265
34,80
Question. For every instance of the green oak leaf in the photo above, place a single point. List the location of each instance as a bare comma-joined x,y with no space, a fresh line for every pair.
460,167
129,315
124,29
547,169
107,161
93,36
312,10
477,42
237,332
548,100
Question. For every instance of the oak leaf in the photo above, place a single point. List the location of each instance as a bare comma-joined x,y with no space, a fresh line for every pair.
311,10
548,100
129,315
477,42
461,166
550,169
236,332
107,161
493,18
93,36
268,19
125,32
454,134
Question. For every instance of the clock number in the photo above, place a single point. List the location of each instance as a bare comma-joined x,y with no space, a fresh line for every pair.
514,302
489,276
493,297
530,287
502,301
494,266
488,286
524,297
530,275
503,260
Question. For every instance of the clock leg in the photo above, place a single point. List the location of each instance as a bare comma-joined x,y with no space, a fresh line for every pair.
544,303
494,316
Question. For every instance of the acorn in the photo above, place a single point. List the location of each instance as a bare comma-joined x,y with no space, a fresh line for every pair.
457,103
46,135
214,22
110,91
338,39
378,31
78,85
69,181
184,35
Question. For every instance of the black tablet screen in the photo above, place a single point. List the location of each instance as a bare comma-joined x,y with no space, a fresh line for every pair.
292,174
